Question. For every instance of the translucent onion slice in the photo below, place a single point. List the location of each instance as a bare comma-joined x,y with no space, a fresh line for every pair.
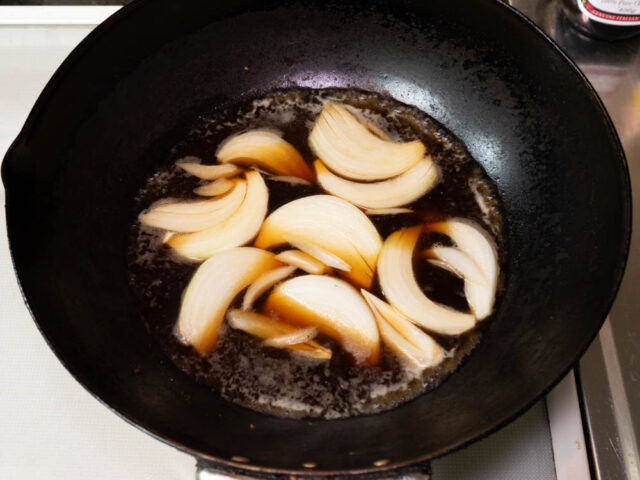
190,207
303,261
212,289
217,187
398,282
335,224
387,211
195,216
319,253
301,335
208,172
348,148
377,131
267,150
289,179
403,325
237,230
395,192
443,265
257,324
331,305
407,341
263,283
266,328
457,262
477,244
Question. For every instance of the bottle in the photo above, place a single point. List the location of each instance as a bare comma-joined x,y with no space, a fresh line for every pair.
604,19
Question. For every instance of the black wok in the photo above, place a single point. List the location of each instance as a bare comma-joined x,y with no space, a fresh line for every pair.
525,112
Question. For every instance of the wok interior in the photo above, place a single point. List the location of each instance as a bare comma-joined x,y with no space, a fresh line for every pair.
522,111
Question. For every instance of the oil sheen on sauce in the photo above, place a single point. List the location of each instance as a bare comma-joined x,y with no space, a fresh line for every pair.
274,381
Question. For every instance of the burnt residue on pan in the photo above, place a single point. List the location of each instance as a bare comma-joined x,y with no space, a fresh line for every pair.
274,381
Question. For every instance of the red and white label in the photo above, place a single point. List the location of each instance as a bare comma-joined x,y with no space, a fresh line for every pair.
612,12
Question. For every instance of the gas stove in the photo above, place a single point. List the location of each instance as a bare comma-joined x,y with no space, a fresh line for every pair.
585,428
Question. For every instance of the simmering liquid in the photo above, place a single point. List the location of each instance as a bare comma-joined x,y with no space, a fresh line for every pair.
275,381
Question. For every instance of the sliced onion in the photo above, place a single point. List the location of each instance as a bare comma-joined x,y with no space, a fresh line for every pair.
237,230
257,324
195,216
217,187
443,265
265,328
398,282
303,261
212,289
208,172
406,340
263,283
289,179
402,324
348,148
336,225
331,305
319,253
311,349
457,262
386,211
395,192
377,131
301,335
186,207
476,243
267,150
480,200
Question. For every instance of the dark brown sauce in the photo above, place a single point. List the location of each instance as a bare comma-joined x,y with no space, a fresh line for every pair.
271,380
